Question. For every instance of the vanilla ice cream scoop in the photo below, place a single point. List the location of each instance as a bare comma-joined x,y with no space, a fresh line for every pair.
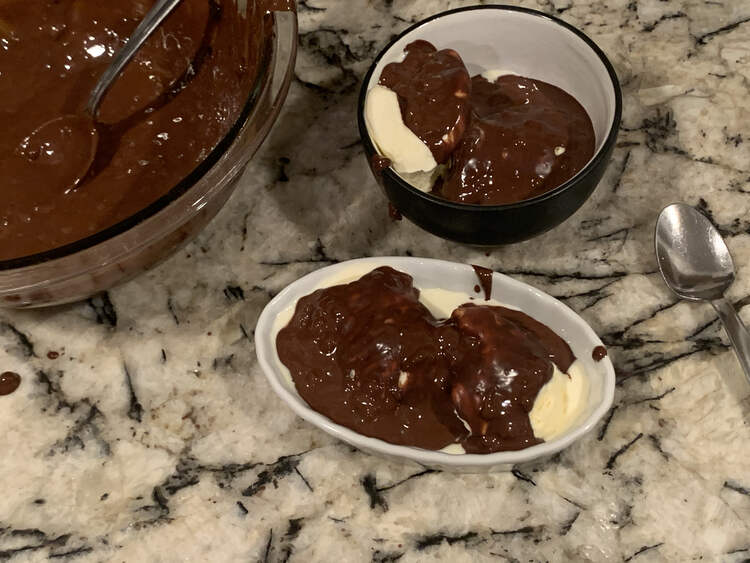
560,402
392,138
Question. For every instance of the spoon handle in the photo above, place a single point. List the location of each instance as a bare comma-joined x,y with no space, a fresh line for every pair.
160,10
737,332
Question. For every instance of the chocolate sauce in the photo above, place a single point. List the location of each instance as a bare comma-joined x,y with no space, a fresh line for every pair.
170,107
379,163
279,5
394,213
432,88
9,382
599,353
525,138
371,357
485,280
53,354
512,139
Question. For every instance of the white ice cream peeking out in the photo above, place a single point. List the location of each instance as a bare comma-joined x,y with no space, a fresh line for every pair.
492,75
559,404
409,156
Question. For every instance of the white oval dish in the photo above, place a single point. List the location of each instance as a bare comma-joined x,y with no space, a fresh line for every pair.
430,273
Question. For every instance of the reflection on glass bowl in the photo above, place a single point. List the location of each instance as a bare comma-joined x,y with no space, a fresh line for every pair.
84,267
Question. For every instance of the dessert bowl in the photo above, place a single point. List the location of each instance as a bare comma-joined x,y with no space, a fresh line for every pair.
119,252
455,277
531,44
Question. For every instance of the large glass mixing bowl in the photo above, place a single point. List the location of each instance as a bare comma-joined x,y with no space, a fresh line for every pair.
113,255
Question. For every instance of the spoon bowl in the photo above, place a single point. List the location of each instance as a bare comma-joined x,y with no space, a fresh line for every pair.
692,257
70,142
66,144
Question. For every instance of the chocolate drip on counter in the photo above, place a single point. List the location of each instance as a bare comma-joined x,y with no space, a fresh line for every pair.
433,88
9,382
394,213
371,357
599,353
485,280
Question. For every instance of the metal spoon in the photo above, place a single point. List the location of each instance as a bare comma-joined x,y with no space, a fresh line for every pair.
695,263
69,142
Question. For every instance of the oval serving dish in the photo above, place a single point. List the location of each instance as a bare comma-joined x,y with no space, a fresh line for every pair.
455,277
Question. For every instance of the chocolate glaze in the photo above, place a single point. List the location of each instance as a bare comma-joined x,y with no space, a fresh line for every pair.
279,5
9,382
432,88
508,151
509,140
485,280
379,163
599,353
170,107
394,213
53,354
371,357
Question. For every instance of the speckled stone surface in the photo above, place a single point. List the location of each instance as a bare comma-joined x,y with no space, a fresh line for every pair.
153,436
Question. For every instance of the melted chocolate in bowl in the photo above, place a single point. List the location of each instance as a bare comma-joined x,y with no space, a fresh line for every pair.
370,356
526,137
503,141
171,106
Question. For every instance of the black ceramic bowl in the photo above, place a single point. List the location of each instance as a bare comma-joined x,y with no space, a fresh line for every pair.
529,43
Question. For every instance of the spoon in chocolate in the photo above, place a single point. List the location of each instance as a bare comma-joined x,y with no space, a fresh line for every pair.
68,143
695,263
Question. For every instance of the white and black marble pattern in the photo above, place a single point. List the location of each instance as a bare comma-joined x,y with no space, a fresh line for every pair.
155,437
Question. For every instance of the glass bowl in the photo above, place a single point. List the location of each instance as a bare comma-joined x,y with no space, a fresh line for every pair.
90,265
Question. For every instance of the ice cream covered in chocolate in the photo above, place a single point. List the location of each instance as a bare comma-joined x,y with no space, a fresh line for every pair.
433,93
502,138
370,356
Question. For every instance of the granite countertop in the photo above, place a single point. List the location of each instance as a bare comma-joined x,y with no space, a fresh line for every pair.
143,429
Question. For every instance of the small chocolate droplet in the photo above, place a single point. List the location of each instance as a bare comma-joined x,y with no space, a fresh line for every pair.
379,163
9,382
394,213
53,355
599,353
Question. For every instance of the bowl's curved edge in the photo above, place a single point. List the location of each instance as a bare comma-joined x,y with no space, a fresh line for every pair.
175,193
415,198
265,351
